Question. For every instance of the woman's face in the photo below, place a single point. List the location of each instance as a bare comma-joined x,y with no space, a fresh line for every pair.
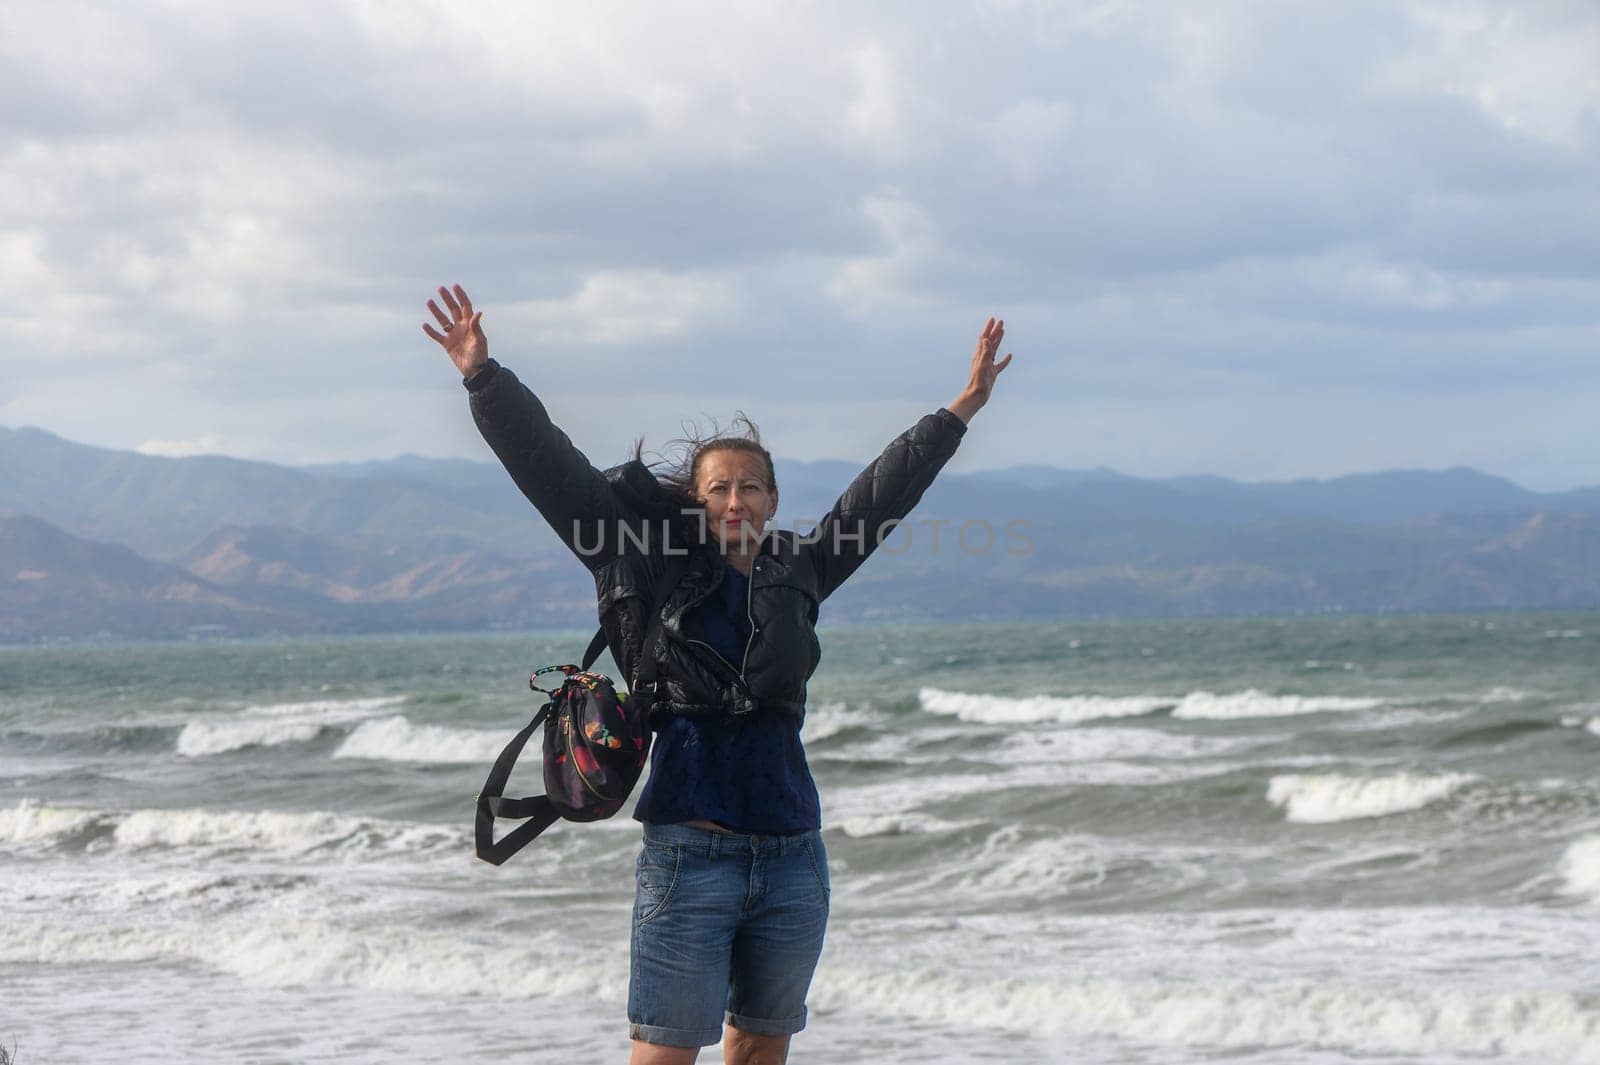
732,486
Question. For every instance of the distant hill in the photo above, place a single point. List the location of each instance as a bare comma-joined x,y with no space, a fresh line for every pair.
100,542
259,581
58,585
162,507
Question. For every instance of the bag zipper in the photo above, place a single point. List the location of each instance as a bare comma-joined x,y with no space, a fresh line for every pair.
572,760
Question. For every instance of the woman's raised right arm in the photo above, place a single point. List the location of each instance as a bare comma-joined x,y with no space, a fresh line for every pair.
574,497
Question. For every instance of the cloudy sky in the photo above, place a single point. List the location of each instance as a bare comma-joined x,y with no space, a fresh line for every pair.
1264,240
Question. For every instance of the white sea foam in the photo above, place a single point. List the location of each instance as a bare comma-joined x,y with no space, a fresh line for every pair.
1330,797
269,726
395,739
868,826
260,830
1065,709
1012,862
31,822
200,738
999,709
830,719
1580,866
1591,724
279,951
265,830
1083,749
1143,760
1253,703
1427,1020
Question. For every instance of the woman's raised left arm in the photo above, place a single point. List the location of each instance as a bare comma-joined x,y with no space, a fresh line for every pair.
887,490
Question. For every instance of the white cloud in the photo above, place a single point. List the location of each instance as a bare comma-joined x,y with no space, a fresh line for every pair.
619,307
889,282
205,444
874,116
1534,68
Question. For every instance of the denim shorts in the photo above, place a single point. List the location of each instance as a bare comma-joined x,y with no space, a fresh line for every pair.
724,926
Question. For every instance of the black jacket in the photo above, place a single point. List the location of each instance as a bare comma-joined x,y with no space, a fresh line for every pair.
622,523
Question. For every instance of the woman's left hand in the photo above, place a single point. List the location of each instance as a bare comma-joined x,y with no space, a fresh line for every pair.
984,371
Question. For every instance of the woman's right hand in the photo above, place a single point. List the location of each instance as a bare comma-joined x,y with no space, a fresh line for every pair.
463,338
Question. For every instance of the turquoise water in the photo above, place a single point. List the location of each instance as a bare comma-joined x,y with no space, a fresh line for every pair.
1276,840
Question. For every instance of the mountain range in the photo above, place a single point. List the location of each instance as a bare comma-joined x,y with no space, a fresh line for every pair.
103,543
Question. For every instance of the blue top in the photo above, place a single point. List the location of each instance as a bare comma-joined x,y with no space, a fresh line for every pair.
746,773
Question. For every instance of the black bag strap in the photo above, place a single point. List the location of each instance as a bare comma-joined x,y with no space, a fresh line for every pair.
538,812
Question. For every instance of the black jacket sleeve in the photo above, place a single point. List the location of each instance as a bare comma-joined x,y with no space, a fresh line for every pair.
573,496
880,496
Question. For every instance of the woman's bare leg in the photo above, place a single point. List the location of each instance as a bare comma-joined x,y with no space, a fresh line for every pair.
747,1048
656,1054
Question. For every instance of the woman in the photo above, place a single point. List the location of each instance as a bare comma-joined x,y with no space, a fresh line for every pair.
732,879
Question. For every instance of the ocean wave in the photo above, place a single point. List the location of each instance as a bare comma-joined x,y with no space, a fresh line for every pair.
1006,710
95,740
1425,1018
1578,721
868,826
1084,750
1330,797
1367,1018
1495,734
395,739
1013,862
1071,709
287,952
1251,703
1371,1019
272,725
830,719
1580,868
30,823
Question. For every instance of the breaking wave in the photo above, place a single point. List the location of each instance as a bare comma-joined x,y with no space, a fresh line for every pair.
1005,710
1252,703
1327,798
270,726
31,823
395,739
1070,709
1580,867
1536,1024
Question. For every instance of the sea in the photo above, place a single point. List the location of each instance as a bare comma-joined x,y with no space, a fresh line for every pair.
1297,841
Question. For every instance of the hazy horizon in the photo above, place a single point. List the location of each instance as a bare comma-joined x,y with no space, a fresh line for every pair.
489,460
